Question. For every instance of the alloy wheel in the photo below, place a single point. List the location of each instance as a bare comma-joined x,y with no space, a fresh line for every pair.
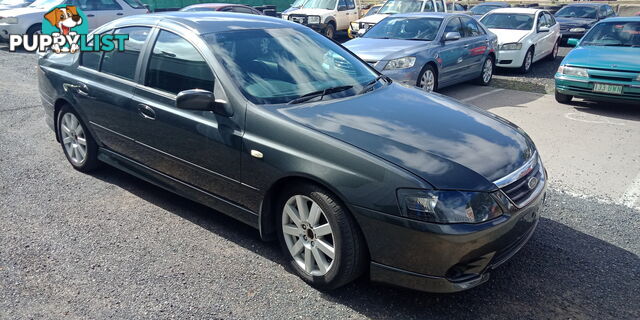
73,138
308,235
527,61
555,50
487,71
428,81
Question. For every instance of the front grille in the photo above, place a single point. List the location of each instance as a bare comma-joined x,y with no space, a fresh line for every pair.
520,190
610,78
302,19
505,61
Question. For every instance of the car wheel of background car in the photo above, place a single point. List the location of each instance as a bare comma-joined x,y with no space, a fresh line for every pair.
34,29
554,53
321,239
77,143
329,31
428,80
487,72
563,98
527,61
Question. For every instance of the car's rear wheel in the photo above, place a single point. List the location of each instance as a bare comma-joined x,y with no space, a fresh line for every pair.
563,98
329,31
428,79
554,53
487,72
527,61
320,237
77,143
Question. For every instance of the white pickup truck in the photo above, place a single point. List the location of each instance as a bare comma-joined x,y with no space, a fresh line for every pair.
326,16
390,7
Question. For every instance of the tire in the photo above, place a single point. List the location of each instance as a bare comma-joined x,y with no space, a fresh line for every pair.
526,67
424,77
77,143
486,73
554,52
329,31
303,237
563,98
34,29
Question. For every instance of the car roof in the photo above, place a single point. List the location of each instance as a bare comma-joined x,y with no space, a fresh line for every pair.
205,22
516,10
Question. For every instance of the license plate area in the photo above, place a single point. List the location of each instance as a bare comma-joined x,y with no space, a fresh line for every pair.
607,88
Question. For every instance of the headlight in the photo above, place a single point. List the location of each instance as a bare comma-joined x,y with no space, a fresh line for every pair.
355,26
313,19
577,30
573,71
285,16
448,206
9,20
511,46
401,63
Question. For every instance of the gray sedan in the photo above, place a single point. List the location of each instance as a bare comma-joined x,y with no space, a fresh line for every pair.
429,50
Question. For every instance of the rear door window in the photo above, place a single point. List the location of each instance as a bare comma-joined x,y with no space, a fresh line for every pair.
123,63
471,28
175,65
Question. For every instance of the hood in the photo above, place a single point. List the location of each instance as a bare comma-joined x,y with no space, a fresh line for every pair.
509,35
370,49
373,19
22,11
623,58
450,145
577,22
312,12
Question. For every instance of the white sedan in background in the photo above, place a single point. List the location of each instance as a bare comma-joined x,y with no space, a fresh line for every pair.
28,20
524,36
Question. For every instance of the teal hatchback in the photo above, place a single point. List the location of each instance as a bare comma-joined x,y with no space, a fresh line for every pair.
605,65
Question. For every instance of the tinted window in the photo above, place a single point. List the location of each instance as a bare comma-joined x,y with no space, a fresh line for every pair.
175,65
91,59
351,4
97,5
134,4
613,34
123,63
454,26
577,12
471,28
242,10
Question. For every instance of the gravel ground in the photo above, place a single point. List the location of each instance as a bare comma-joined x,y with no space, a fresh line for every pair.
108,245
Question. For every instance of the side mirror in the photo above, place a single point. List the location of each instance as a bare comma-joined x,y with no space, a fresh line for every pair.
573,42
202,100
452,36
342,8
543,29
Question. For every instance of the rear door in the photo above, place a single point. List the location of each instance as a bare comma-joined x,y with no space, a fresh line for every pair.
475,44
197,147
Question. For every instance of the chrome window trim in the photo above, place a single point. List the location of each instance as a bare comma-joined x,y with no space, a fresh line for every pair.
519,173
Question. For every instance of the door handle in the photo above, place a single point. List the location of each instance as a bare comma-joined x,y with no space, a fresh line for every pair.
119,14
80,88
146,112
466,46
91,15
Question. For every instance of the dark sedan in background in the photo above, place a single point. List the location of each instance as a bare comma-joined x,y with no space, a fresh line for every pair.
281,128
429,50
481,9
577,18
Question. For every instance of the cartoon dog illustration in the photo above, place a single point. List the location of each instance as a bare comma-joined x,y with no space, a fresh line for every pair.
64,18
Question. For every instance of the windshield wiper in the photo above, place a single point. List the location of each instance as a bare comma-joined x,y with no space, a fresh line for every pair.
319,93
418,39
371,83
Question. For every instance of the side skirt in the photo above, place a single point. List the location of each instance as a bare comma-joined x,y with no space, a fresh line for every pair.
178,187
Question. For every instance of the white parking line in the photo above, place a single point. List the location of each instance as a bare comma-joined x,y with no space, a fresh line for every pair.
482,95
632,194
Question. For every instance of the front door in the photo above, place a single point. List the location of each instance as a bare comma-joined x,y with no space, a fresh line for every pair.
452,54
543,39
200,148
476,45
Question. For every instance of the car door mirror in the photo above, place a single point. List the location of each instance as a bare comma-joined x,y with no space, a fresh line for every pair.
342,8
543,29
202,100
572,42
452,36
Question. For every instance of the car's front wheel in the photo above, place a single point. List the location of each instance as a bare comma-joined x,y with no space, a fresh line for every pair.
77,143
487,72
320,238
329,31
563,98
428,79
527,61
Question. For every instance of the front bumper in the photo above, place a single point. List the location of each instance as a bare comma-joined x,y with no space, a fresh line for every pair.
443,257
407,76
510,58
567,35
583,88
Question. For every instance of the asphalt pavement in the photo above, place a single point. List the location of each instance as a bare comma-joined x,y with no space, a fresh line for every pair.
108,245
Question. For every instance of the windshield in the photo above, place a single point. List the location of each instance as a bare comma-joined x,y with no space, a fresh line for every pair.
405,28
45,4
481,10
404,6
372,11
297,3
272,66
577,12
198,9
508,21
320,4
619,34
